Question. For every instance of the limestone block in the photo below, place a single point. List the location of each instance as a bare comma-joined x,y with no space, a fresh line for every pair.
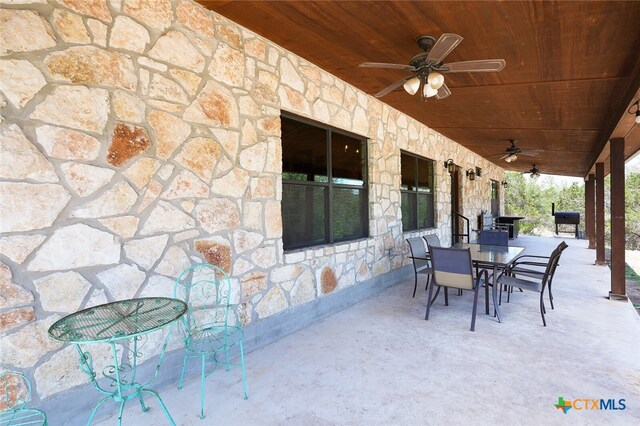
126,143
265,94
166,218
217,214
249,107
360,122
231,36
76,246
200,155
84,179
147,251
245,241
150,63
328,280
78,107
252,215
122,281
227,65
173,263
166,171
155,13
304,289
62,291
24,31
162,87
321,111
129,35
255,48
289,75
252,284
188,80
61,370
272,303
175,49
216,251
18,247
13,318
186,185
68,144
150,194
20,81
70,27
94,8
262,188
264,257
234,184
254,158
92,66
293,100
123,226
99,32
230,142
215,106
285,273
241,267
117,200
12,294
25,347
26,206
158,286
170,132
273,219
141,172
20,159
194,16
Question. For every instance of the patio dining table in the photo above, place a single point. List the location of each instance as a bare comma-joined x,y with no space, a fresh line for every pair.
492,258
118,323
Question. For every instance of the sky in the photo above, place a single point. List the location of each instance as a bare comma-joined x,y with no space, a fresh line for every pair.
632,166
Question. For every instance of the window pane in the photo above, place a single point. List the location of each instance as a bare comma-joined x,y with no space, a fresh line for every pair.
304,152
408,206
425,211
408,172
348,213
425,176
347,160
303,215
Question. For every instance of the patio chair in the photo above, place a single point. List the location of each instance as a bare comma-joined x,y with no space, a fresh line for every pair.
494,237
421,265
535,267
453,268
209,331
433,240
16,391
535,280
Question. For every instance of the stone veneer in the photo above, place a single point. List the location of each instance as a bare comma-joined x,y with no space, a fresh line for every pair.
141,136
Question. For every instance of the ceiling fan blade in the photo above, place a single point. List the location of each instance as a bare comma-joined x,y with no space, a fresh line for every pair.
481,65
443,92
393,87
445,44
386,65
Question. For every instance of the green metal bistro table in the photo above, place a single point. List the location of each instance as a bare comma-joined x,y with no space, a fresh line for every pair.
119,323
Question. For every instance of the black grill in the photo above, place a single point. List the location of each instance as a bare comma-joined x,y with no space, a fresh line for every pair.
565,218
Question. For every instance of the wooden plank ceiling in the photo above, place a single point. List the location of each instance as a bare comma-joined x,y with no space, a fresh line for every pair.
573,68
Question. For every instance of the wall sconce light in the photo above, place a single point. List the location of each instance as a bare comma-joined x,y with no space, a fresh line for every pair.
471,174
450,166
504,183
478,172
637,111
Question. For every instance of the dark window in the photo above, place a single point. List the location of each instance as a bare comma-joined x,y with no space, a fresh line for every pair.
417,192
324,185
495,198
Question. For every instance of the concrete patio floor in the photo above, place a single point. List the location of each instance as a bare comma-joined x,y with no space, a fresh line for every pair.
379,362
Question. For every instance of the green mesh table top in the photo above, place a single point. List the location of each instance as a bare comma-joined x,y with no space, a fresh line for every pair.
117,320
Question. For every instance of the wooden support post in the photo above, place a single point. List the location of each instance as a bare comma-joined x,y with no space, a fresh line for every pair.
590,210
600,214
618,288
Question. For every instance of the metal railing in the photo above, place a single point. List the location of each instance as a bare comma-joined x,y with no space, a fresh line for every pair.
465,234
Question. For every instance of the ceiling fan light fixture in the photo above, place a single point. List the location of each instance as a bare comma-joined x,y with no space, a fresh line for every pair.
435,80
429,91
637,113
412,85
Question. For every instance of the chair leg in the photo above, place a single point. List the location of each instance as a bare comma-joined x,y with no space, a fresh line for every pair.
551,295
544,322
436,295
426,315
446,296
244,373
486,298
428,280
184,366
475,308
202,389
415,285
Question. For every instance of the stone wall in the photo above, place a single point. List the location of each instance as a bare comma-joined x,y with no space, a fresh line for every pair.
141,136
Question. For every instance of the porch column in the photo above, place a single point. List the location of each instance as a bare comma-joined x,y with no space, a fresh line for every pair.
590,210
600,214
618,290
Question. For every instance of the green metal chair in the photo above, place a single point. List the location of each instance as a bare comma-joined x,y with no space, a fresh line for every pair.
16,391
209,331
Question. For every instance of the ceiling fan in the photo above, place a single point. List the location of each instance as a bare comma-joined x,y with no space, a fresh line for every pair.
512,152
535,173
427,67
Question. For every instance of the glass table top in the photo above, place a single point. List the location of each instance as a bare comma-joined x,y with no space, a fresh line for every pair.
490,254
117,320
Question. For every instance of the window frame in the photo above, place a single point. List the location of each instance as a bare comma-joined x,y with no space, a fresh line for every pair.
330,237
416,192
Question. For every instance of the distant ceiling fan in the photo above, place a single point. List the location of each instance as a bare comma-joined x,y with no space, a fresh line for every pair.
427,67
512,152
535,173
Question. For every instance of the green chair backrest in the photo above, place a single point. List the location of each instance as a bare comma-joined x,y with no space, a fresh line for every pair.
16,392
